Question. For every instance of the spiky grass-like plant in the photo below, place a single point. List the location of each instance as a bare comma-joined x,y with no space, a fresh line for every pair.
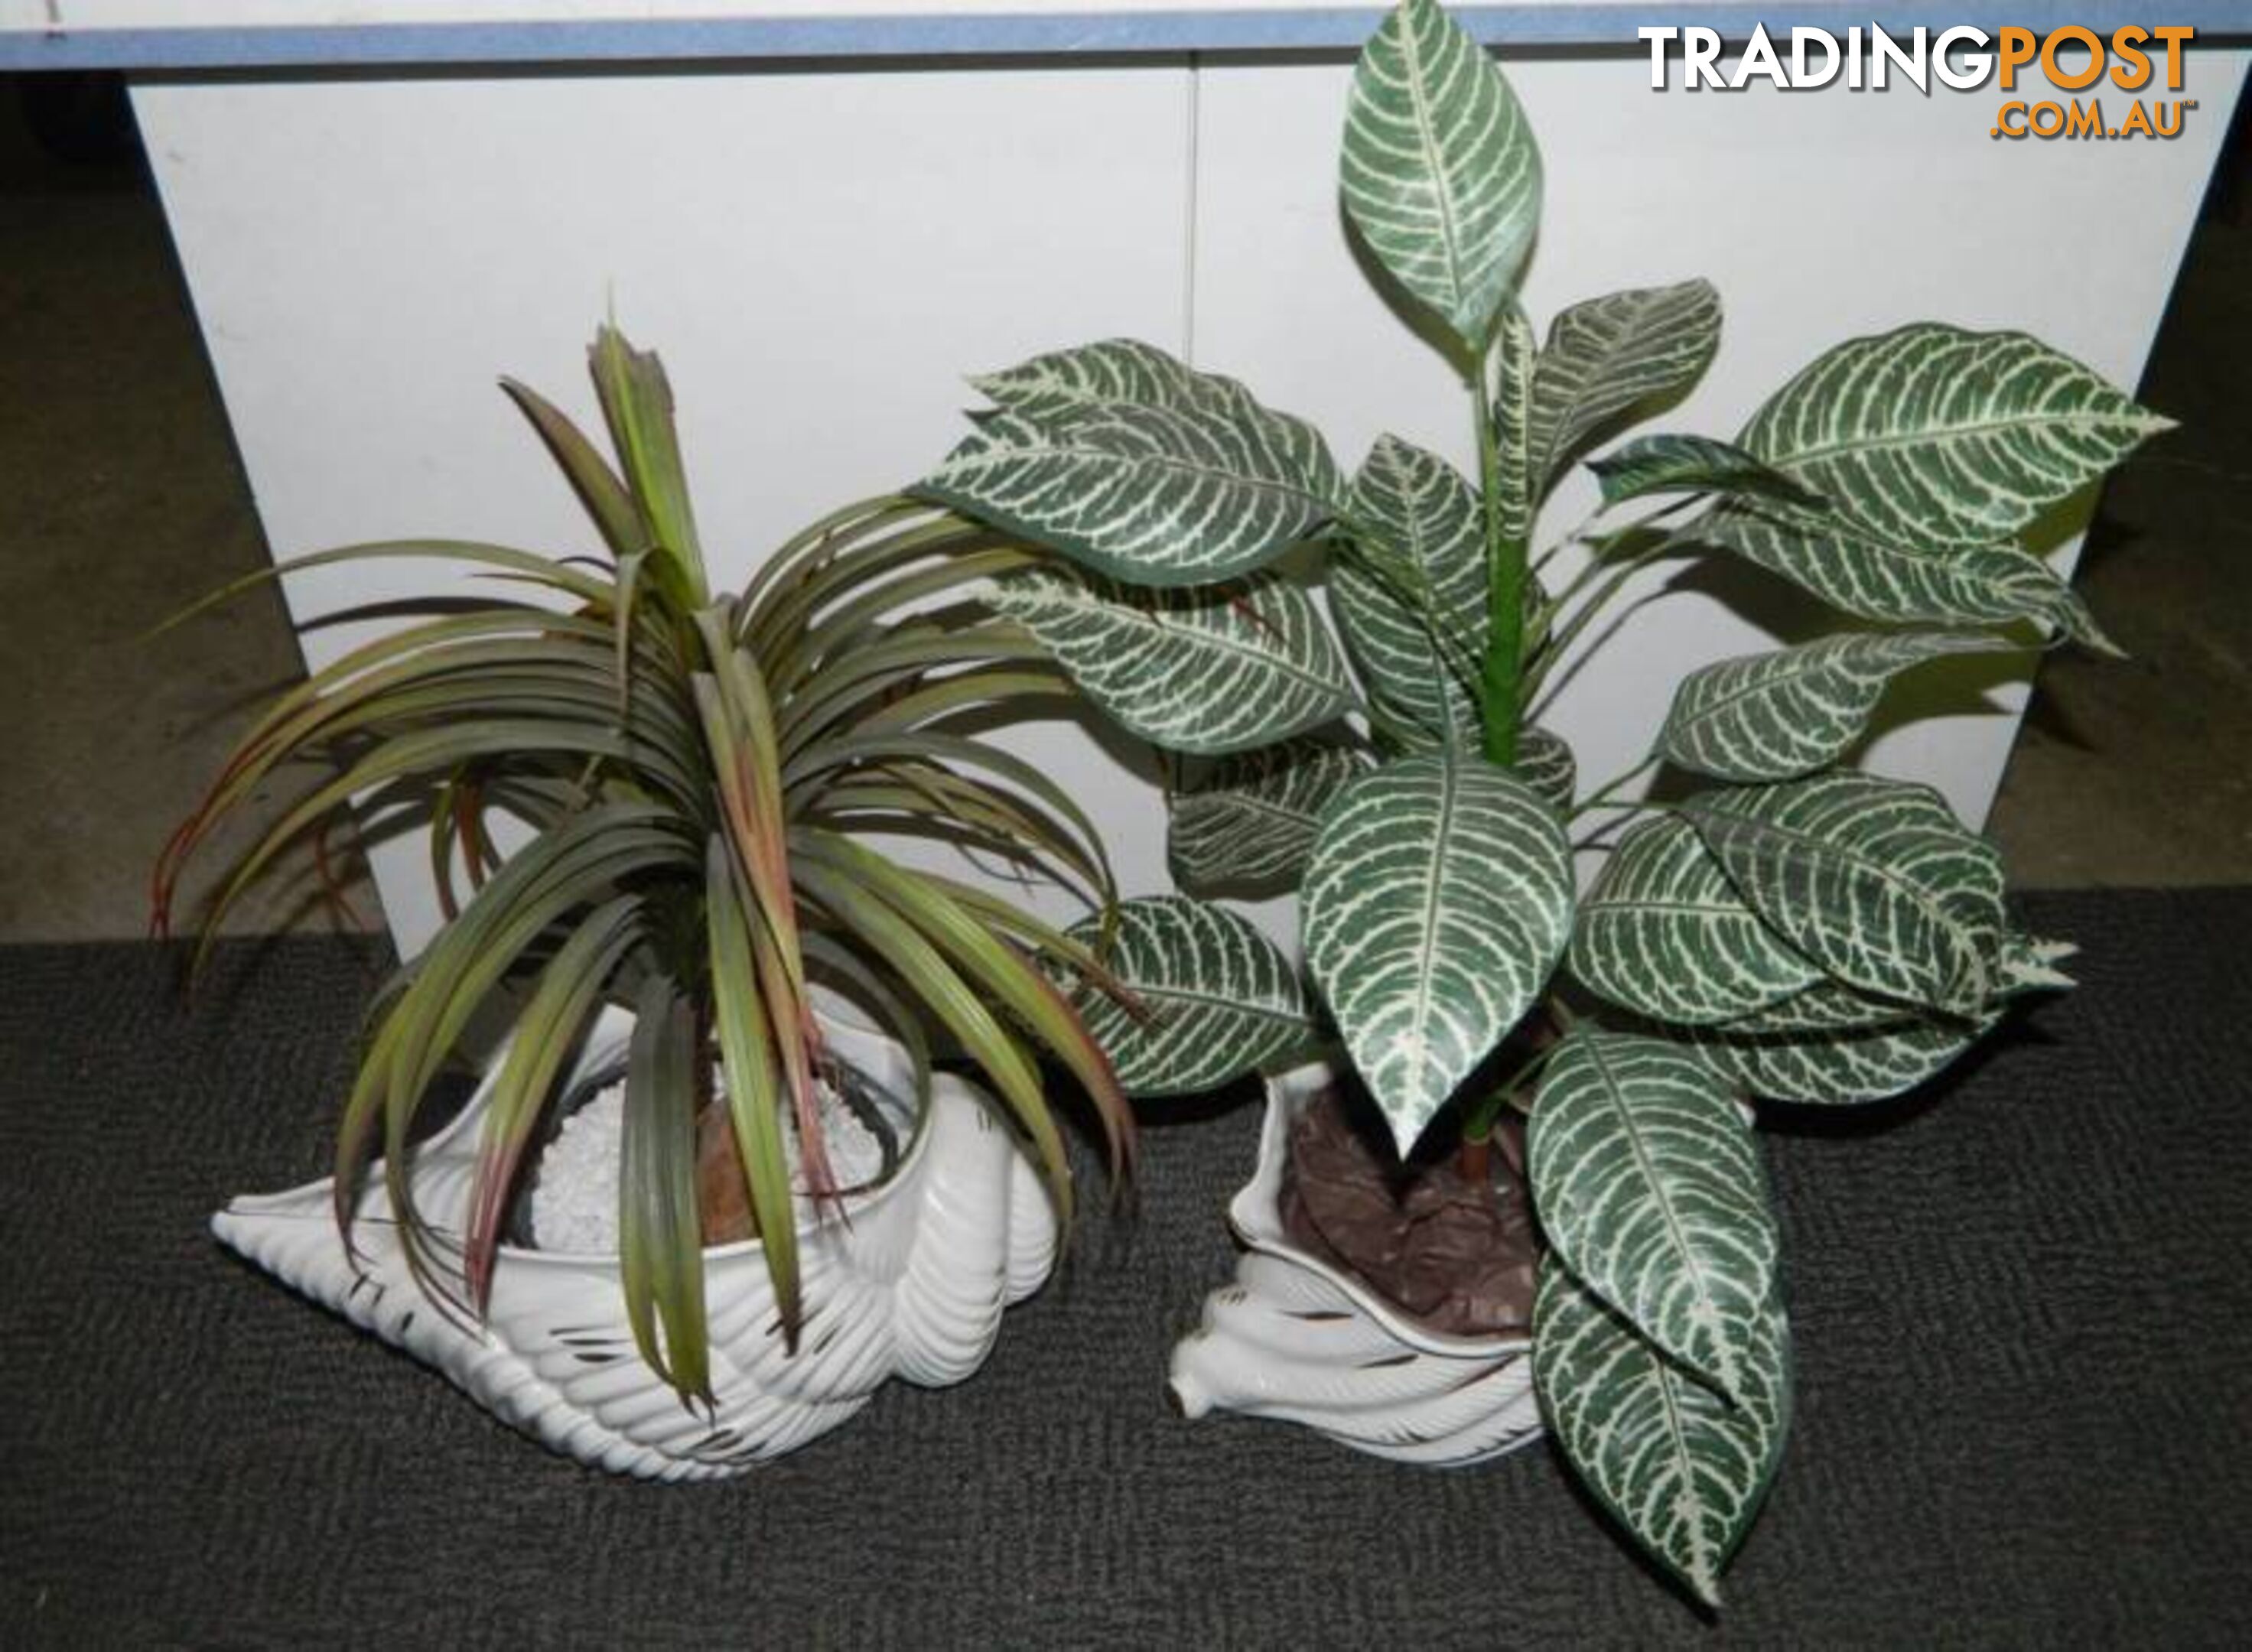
698,770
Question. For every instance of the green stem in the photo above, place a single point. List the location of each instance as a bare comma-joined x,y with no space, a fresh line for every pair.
1614,576
1600,796
1504,586
1478,1116
1602,545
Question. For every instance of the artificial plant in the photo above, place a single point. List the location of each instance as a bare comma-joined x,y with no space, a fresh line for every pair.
1786,928
698,772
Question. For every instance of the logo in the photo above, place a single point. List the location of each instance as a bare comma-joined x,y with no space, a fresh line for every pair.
2070,58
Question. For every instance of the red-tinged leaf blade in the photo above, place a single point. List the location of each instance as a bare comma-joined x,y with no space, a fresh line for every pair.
546,1033
547,571
588,473
933,984
753,1093
996,966
660,1238
804,774
637,404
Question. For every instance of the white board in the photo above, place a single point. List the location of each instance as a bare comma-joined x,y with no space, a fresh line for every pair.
823,256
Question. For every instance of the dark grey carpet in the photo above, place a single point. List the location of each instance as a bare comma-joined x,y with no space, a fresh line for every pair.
2023,1302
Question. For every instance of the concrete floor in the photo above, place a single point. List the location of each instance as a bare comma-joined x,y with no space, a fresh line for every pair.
126,502
2140,772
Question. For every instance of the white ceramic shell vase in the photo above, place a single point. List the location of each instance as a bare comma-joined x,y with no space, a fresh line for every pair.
910,1282
1296,1339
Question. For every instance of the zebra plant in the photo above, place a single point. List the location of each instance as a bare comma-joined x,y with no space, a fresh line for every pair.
1788,930
698,770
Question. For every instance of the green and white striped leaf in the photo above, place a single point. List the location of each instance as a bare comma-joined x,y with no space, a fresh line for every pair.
1839,1066
1212,668
1140,467
1215,999
1774,716
1251,819
1936,437
1650,1190
1832,1046
2029,964
1546,763
1410,598
1440,171
1681,1468
1517,491
2026,964
1665,932
1873,879
1437,900
1823,1007
1689,464
1611,354
1857,573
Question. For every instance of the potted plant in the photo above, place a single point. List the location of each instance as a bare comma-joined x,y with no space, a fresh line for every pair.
691,937
1774,926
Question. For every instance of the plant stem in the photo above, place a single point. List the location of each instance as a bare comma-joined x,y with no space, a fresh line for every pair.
1601,795
1615,576
1504,587
1475,1155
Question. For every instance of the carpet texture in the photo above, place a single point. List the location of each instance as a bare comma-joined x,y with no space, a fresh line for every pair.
2023,1302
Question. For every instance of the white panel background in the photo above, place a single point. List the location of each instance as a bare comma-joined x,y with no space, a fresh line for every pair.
822,256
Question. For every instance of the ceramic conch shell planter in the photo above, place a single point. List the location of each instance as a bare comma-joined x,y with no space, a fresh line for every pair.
911,1284
1296,1339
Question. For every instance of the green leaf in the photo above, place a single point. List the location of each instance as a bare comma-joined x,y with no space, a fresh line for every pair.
1663,933
1823,1007
583,860
530,567
1682,1469
637,402
1774,716
924,757
842,589
755,1095
660,1231
1649,1190
872,678
1440,171
1252,818
2029,964
1608,356
1935,438
1516,489
1143,468
1211,670
1546,763
1872,879
1410,598
1837,1066
1689,464
889,604
591,478
1439,896
938,991
1211,998
567,993
927,800
962,930
1860,574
